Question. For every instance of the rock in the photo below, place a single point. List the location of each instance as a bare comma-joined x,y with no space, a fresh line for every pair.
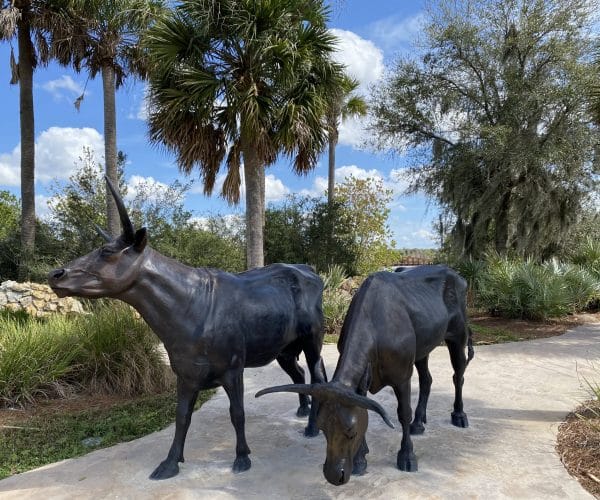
36,299
91,441
347,285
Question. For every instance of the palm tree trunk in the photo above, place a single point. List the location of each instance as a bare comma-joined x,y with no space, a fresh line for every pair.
254,174
26,63
110,146
331,174
333,139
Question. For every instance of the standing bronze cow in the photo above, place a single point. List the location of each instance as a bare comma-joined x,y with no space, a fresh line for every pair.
212,323
394,321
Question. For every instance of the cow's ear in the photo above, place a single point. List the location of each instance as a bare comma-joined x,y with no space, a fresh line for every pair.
140,239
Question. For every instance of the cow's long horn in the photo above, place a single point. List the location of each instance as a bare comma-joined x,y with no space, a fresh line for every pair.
366,403
103,234
315,390
329,391
128,230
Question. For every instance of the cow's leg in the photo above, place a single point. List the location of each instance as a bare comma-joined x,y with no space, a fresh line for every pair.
359,463
312,351
425,380
406,461
186,399
296,372
459,363
233,383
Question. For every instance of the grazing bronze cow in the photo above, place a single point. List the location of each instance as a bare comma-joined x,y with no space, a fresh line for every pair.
394,321
212,323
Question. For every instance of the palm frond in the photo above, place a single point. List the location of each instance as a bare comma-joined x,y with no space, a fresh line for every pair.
9,17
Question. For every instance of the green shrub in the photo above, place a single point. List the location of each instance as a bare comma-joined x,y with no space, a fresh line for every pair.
37,358
335,300
333,278
109,351
118,353
526,289
587,255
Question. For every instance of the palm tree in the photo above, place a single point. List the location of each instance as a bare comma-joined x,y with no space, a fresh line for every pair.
31,22
241,80
344,104
110,33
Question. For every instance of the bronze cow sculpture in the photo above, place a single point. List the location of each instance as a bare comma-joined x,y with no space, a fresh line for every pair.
394,321
212,323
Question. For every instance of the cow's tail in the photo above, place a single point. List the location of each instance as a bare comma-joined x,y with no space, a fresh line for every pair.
470,351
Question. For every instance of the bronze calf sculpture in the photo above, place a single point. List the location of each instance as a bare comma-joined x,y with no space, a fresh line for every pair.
394,321
212,323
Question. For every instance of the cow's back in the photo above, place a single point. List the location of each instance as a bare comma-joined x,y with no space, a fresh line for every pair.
276,305
436,299
419,303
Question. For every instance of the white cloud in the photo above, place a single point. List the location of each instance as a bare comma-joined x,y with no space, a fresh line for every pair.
396,181
141,107
152,188
394,32
363,59
401,178
364,62
232,221
424,234
42,209
275,189
10,168
353,131
63,88
57,150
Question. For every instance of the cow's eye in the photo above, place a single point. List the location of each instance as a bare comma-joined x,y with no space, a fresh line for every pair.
106,252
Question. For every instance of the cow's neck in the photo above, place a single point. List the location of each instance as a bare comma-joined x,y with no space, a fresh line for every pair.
357,359
166,293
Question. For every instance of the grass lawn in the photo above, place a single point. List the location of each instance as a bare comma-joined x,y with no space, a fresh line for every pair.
58,429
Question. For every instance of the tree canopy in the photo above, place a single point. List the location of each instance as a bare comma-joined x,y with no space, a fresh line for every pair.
496,109
239,82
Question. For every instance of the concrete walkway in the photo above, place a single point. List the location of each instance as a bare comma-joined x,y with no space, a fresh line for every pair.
515,396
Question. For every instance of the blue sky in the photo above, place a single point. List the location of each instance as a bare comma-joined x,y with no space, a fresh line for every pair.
371,34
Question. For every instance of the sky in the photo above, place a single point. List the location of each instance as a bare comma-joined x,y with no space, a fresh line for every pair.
371,35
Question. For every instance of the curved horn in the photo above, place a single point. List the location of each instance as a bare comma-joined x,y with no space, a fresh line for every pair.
369,404
128,230
308,389
103,234
329,391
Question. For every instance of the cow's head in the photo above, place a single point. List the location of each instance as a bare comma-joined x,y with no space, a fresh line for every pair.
108,270
343,419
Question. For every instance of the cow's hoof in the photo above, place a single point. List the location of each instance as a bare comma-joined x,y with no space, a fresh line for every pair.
407,462
165,470
303,411
459,419
359,467
241,464
417,428
310,431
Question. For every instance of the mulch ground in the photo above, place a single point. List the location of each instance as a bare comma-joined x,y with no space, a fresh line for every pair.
526,330
578,444
75,403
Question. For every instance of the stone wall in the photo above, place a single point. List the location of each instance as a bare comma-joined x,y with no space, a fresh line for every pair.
35,299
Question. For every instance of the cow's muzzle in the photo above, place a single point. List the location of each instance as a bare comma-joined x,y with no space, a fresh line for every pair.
338,474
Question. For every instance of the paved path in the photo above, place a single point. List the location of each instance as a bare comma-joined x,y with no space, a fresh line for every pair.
515,396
